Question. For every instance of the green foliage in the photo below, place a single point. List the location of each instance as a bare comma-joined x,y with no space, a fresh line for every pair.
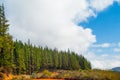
46,74
29,59
33,75
6,42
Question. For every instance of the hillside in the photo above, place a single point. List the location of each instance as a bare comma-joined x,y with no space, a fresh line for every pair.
116,69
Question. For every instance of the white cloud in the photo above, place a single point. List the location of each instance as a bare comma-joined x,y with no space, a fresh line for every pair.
116,49
119,44
100,5
53,22
99,50
103,61
117,0
104,56
103,45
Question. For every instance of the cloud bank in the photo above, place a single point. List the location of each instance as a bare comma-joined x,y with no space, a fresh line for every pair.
103,61
104,56
51,23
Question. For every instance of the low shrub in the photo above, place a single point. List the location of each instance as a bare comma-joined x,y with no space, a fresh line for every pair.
22,77
46,74
33,75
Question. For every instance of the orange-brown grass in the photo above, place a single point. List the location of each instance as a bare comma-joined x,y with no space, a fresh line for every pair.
7,76
83,75
67,74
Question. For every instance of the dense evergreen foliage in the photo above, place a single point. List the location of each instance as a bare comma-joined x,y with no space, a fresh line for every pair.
24,58
6,43
28,58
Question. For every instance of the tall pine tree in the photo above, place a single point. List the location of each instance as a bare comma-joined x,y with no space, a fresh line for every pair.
6,42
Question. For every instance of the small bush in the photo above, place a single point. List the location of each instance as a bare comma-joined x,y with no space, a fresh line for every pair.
39,75
46,74
33,75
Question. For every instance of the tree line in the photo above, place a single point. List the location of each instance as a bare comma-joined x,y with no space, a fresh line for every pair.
25,58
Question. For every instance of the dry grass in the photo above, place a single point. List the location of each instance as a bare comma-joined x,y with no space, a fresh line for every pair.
81,75
67,75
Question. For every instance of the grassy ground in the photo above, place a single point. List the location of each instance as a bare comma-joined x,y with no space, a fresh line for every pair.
68,75
81,75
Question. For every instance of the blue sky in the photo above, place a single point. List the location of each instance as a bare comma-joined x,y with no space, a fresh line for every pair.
106,26
55,23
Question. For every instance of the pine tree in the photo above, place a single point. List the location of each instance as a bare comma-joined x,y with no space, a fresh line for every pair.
6,42
29,59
